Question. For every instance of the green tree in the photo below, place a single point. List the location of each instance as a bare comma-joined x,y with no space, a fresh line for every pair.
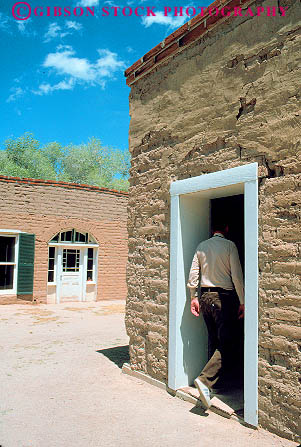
89,163
22,157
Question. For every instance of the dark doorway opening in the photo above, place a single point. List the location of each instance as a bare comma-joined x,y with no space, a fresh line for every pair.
231,210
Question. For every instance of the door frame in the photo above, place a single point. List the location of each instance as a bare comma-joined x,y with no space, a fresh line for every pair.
218,184
83,265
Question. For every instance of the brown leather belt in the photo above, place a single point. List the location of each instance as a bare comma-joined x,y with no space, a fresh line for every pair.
214,289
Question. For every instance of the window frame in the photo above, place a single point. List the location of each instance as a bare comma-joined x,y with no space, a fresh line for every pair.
65,267
94,266
14,234
49,283
89,239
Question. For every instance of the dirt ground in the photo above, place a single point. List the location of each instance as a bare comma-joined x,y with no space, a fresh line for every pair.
62,386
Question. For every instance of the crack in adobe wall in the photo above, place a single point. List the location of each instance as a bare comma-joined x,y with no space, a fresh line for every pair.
264,55
206,149
245,107
154,139
274,170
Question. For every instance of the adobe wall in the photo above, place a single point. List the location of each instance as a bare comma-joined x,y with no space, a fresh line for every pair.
46,208
228,99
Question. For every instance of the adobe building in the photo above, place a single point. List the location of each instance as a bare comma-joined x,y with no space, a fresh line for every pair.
215,112
61,241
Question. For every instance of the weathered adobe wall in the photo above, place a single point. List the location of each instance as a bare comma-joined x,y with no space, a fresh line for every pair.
45,210
231,98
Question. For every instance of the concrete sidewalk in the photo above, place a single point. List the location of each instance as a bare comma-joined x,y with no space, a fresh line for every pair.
62,386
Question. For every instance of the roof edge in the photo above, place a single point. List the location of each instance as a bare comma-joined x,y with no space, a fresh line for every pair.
33,181
183,37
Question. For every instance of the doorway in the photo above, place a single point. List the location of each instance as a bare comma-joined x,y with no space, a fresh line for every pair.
72,267
71,276
231,210
190,224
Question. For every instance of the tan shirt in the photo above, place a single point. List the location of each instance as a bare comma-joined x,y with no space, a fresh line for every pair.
216,264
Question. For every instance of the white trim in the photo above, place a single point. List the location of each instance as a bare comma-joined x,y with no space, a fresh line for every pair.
211,185
14,234
81,274
95,265
71,245
240,174
82,270
84,274
95,272
175,314
251,303
59,269
54,269
13,231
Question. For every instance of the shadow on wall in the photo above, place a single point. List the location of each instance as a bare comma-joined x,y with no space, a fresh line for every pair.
195,346
118,355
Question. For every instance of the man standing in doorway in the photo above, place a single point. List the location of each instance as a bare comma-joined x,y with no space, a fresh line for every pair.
216,272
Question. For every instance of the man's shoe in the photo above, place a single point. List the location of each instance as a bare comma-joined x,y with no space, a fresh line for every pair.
204,393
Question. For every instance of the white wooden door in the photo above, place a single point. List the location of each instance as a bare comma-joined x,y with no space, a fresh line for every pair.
71,275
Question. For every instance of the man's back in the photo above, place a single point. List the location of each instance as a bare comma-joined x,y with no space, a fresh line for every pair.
216,270
217,262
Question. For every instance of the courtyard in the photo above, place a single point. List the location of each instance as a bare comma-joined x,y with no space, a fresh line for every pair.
62,386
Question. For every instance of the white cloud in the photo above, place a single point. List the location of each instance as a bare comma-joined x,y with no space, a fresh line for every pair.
73,25
4,23
107,63
61,47
22,25
45,89
65,63
56,31
160,19
25,28
16,93
88,3
80,70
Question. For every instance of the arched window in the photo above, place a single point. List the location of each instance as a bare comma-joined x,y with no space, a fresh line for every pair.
73,237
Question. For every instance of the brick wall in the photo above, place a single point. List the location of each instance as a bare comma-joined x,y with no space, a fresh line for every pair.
46,208
230,98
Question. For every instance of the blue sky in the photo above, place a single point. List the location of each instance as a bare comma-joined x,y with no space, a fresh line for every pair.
62,77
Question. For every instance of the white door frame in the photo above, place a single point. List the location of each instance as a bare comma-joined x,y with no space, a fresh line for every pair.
83,266
243,179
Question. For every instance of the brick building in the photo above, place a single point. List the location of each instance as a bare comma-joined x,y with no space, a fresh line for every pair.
214,125
61,241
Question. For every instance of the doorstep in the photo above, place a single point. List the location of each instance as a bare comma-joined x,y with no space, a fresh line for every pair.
190,394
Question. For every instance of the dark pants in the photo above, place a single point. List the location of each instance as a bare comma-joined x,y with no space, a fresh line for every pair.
225,337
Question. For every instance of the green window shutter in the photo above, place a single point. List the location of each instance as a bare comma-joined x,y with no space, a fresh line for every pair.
25,264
